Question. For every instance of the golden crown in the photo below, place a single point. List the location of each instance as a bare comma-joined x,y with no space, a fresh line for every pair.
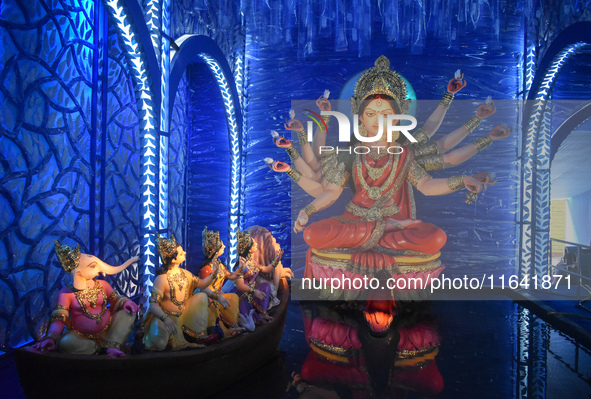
380,80
211,242
166,247
69,257
244,241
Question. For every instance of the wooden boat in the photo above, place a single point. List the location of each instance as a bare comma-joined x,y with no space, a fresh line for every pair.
197,372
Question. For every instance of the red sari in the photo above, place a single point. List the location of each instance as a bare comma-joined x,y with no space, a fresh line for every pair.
367,238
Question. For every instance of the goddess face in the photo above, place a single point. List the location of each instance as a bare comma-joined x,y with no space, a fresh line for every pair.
180,257
254,248
221,250
376,109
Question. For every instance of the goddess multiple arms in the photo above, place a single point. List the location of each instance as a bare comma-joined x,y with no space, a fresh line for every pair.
311,175
464,153
452,139
434,121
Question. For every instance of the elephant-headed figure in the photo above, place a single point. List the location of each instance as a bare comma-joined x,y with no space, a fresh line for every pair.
82,323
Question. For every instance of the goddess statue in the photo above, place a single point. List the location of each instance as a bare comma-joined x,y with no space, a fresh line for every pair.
174,310
90,326
222,306
379,230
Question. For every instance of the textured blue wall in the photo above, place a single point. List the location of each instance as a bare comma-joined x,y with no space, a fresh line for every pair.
208,189
50,130
177,158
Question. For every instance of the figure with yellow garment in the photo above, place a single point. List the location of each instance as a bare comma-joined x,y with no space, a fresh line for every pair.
174,311
81,322
223,307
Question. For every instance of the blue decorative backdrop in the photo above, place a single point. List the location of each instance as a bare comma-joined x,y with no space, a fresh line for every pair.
177,162
208,188
68,155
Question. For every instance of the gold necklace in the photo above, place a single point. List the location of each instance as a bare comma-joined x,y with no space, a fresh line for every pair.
179,279
376,192
376,173
91,295
376,152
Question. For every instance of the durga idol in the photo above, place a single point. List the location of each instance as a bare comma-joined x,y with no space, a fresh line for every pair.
379,231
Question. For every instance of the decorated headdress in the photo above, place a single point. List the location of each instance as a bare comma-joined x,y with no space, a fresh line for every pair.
211,242
245,241
166,247
69,257
380,80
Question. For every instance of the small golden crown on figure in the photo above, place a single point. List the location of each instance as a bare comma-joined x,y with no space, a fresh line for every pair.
244,241
380,80
211,242
166,247
69,257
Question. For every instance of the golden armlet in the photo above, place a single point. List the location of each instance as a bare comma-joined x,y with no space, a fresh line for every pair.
416,173
293,153
472,124
309,210
421,136
60,315
429,148
303,137
456,183
294,174
155,297
446,100
431,162
482,142
120,302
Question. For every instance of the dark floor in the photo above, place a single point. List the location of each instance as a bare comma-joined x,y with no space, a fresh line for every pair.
489,349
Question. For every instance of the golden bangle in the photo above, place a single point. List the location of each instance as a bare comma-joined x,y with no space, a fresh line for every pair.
309,210
456,183
326,119
472,124
293,153
482,142
446,100
303,137
294,174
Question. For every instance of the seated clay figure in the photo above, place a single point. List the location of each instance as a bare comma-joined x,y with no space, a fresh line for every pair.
223,307
268,251
81,307
252,293
174,310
